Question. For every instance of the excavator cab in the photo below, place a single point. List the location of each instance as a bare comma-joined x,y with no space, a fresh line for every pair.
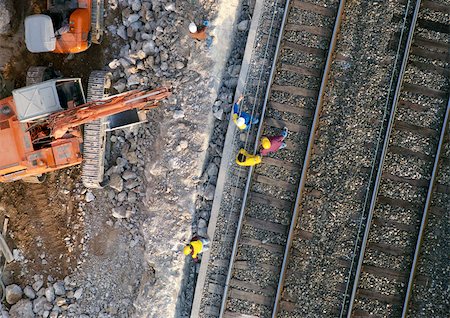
68,26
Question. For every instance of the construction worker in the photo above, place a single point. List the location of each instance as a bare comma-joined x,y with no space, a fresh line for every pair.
242,120
196,246
199,33
274,143
245,159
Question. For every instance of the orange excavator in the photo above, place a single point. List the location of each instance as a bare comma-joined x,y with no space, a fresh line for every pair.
49,126
67,26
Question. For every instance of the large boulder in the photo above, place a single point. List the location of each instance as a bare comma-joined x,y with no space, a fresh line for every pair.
13,293
22,309
6,14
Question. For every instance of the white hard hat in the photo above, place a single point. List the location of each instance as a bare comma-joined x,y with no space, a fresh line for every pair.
240,121
192,27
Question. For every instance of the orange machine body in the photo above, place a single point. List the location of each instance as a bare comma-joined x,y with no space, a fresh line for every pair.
77,39
19,158
44,134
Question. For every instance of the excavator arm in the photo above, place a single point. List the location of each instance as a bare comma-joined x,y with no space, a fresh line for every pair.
62,122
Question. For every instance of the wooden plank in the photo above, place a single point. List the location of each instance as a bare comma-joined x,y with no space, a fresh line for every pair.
431,67
315,30
270,201
401,226
251,297
287,306
444,57
388,249
212,310
246,265
363,314
423,131
307,6
413,106
433,26
281,124
401,276
435,6
305,112
408,205
414,182
303,48
370,294
232,314
215,289
294,90
281,163
257,243
221,262
302,70
266,225
409,153
284,185
418,89
268,290
431,43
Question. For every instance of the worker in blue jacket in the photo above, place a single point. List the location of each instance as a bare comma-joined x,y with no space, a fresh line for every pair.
242,119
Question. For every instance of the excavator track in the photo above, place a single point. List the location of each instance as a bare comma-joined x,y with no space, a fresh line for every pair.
97,21
94,142
38,74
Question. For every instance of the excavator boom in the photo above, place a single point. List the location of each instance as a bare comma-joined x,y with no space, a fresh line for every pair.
62,122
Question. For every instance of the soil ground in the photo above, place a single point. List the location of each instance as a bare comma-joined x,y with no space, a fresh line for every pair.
42,217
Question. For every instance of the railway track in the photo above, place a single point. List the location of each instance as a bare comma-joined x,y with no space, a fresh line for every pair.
384,269
297,85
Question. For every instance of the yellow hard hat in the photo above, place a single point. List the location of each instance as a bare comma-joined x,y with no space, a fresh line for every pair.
265,142
187,250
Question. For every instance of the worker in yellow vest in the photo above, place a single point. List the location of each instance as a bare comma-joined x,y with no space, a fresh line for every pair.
196,246
245,159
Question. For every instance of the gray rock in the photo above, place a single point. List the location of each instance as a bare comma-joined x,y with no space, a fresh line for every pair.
208,194
116,182
134,79
22,309
122,32
121,212
136,5
59,288
29,292
178,114
50,294
121,196
38,305
212,170
89,197
202,223
243,25
60,301
13,294
219,114
132,157
38,284
120,86
78,293
132,197
128,174
179,65
46,314
131,184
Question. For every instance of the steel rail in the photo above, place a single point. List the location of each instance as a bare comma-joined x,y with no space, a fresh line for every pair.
307,159
383,156
423,224
250,172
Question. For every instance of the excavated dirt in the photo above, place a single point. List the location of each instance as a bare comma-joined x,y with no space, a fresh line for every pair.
42,218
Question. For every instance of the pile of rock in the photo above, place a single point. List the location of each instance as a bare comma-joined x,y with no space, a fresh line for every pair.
149,30
57,299
6,14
